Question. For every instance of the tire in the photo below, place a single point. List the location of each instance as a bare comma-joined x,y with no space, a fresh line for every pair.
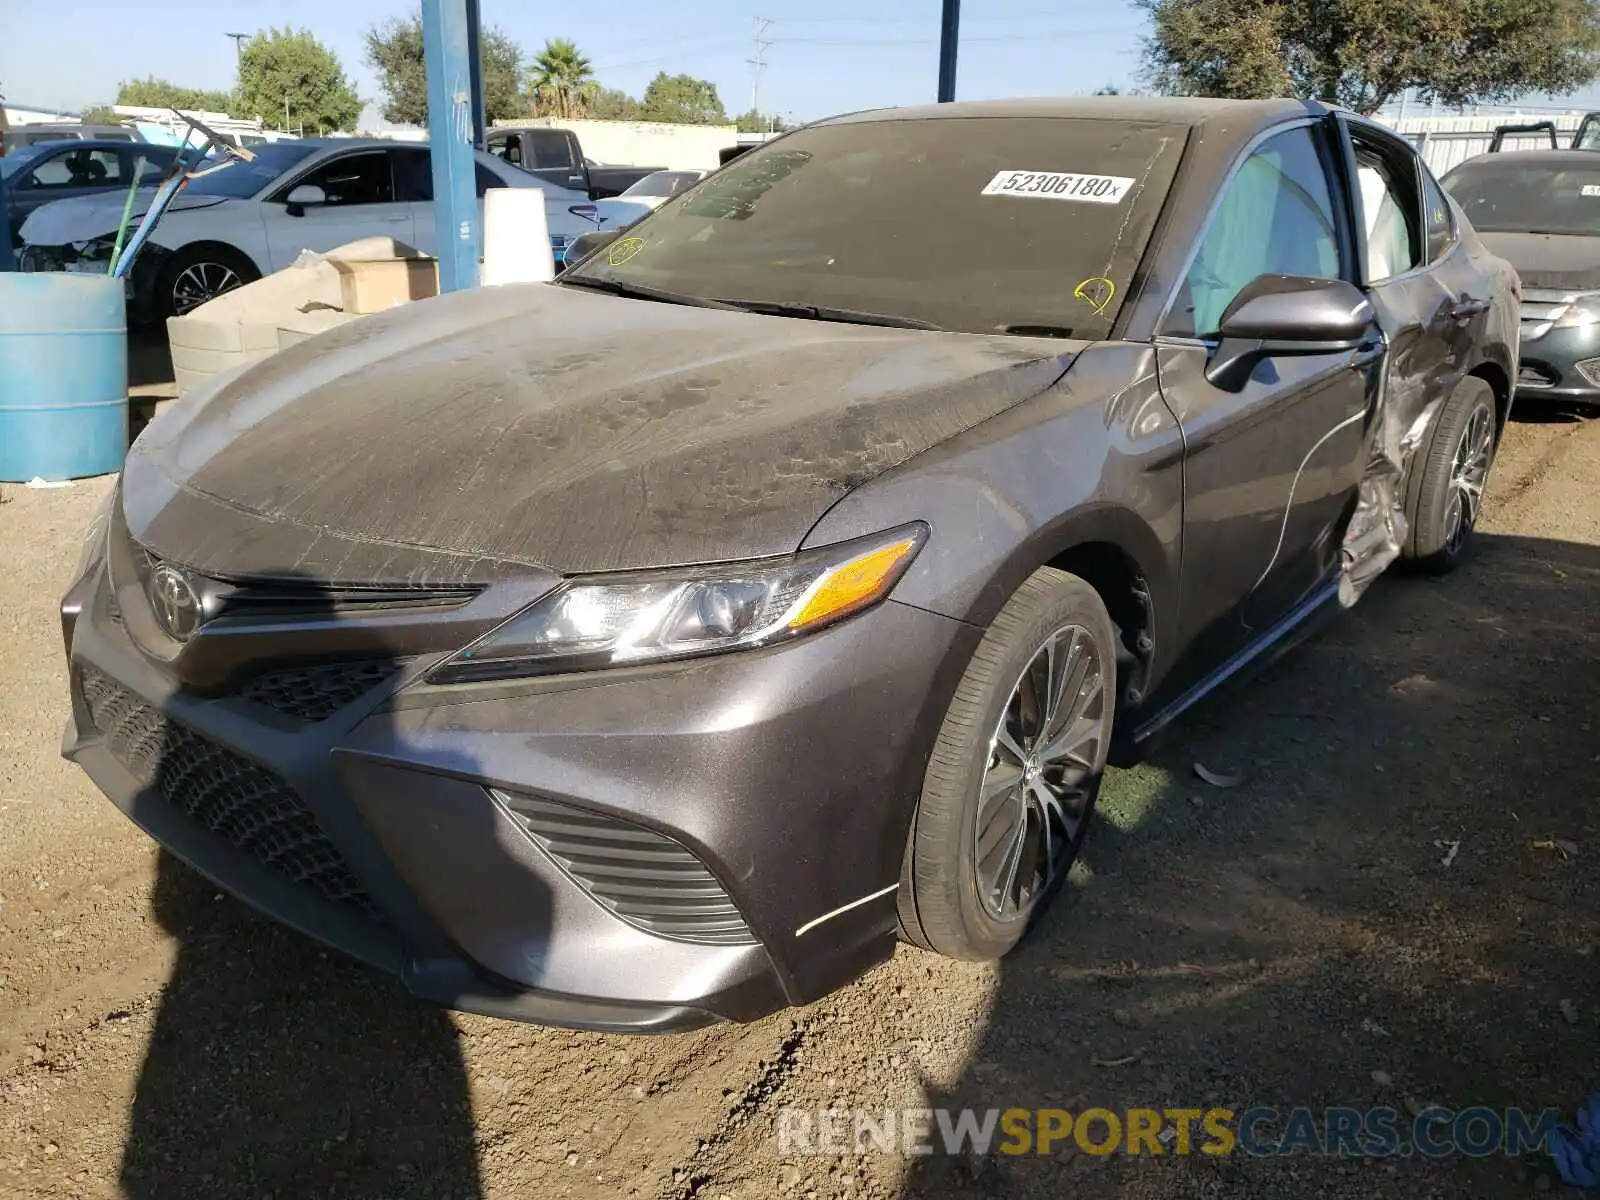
1444,497
199,273
947,899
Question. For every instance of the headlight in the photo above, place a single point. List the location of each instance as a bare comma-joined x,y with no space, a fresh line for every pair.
603,621
94,538
1585,310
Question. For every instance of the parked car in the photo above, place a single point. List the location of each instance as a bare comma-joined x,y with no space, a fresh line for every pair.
649,194
556,156
651,646
48,171
18,136
1540,211
234,225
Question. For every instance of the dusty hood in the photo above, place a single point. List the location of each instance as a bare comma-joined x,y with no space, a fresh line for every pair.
465,437
63,222
1546,260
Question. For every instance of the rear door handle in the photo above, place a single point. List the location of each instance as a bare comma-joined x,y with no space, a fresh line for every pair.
1463,309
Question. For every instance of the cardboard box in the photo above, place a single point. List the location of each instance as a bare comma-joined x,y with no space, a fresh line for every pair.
376,285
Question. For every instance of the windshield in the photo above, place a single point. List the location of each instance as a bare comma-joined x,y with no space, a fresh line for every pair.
663,183
1526,197
14,159
245,179
977,224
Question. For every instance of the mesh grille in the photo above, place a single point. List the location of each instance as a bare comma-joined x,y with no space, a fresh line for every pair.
646,879
232,797
316,692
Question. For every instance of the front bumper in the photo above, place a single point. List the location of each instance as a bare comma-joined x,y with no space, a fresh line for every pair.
787,774
1563,363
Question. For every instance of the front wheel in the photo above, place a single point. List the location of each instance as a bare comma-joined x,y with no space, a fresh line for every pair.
197,274
1445,495
1014,772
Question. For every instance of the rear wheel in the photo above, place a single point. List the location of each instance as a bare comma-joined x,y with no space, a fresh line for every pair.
1448,478
1014,773
197,274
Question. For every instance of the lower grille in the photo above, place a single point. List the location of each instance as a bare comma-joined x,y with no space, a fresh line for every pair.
648,880
317,692
240,802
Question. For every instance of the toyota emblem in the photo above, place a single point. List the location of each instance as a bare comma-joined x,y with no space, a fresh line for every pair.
175,602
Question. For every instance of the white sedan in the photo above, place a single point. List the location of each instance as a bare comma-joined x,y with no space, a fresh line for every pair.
235,225
649,194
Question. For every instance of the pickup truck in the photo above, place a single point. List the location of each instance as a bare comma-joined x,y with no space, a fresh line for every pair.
556,157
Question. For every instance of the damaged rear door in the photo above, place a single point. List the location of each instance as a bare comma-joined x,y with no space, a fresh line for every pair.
1433,305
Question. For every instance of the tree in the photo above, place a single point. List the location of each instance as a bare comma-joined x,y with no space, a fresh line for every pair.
1362,53
100,114
561,80
286,68
394,51
683,100
611,104
755,122
159,93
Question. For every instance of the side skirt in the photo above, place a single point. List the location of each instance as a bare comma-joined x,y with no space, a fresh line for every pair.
1275,641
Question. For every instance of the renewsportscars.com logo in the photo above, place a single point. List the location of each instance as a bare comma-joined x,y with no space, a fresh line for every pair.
1435,1132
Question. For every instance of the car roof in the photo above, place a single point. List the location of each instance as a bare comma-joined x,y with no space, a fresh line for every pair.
1537,158
1176,110
93,144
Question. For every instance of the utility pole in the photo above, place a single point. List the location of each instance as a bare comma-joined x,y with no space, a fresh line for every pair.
238,63
758,62
949,37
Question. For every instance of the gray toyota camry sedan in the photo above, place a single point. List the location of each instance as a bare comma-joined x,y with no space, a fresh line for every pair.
656,646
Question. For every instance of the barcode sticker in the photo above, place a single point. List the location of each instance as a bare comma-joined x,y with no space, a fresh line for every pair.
1060,185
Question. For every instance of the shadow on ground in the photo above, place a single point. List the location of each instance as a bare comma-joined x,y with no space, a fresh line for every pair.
1299,939
276,1068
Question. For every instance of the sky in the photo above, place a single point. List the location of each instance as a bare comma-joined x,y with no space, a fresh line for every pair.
825,56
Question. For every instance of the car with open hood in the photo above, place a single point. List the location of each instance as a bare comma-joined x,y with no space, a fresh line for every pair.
658,645
1540,211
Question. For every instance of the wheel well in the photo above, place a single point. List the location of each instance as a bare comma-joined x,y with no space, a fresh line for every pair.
211,245
1492,374
1125,591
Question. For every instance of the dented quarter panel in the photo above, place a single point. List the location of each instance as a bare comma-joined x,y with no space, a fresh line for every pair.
462,438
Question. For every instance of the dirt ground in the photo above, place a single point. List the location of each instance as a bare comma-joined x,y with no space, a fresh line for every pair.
1296,940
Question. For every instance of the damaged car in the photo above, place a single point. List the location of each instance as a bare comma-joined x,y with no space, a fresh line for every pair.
660,645
1540,211
230,227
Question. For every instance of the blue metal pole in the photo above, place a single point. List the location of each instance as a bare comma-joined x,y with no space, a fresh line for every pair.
7,263
447,53
475,63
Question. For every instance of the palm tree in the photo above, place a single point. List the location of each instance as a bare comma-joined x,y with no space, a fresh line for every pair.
562,79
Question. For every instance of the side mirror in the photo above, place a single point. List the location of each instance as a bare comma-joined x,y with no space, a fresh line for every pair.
1287,314
585,244
302,196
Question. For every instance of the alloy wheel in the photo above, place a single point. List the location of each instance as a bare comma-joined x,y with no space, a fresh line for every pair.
1469,472
1036,791
200,282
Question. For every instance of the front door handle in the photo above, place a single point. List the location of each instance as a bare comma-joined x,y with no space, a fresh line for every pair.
1464,309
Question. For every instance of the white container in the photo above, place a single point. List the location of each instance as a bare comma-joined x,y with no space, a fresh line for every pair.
516,237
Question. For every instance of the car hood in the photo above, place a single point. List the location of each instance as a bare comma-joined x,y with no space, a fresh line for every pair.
1561,262
471,436
82,218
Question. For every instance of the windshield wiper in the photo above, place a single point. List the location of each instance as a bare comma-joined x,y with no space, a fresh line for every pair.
639,291
820,312
1055,331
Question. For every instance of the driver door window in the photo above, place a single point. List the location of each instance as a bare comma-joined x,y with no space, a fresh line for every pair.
360,203
1275,217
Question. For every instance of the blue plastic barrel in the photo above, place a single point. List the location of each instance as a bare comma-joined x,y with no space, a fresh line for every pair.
63,375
